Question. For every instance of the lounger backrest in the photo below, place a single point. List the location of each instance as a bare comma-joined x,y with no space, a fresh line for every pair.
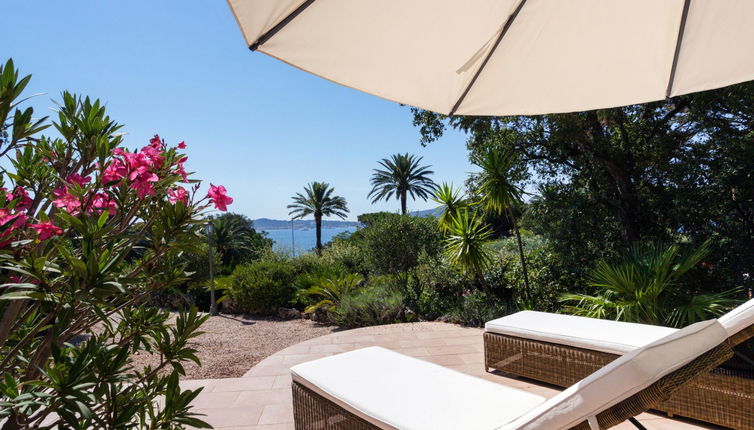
739,318
622,378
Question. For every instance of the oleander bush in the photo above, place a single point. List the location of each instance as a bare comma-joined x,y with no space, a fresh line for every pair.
89,228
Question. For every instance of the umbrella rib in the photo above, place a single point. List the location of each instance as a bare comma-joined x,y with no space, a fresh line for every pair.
507,26
279,26
679,41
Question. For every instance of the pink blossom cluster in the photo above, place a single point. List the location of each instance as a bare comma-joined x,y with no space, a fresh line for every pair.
140,170
95,202
15,219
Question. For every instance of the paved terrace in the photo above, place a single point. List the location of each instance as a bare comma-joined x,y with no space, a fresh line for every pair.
261,399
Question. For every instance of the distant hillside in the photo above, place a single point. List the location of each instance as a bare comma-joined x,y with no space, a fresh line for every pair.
308,224
427,213
299,224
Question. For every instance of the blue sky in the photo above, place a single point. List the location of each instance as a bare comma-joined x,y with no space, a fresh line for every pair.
261,128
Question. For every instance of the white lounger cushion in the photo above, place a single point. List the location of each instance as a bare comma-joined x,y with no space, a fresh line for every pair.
394,391
614,337
739,318
622,378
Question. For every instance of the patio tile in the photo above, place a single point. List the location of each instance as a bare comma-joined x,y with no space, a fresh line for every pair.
244,384
264,398
330,348
283,381
444,360
295,349
410,343
271,370
232,417
193,384
464,340
277,414
415,352
209,400
354,339
450,349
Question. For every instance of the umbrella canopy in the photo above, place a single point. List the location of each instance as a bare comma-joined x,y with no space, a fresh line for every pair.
509,57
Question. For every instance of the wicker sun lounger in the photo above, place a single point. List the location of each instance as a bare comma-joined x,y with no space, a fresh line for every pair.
562,349
374,388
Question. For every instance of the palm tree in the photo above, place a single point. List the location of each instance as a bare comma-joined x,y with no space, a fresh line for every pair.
450,202
236,240
318,200
644,288
499,194
402,176
466,246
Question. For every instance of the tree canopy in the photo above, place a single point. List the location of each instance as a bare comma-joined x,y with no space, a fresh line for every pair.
680,169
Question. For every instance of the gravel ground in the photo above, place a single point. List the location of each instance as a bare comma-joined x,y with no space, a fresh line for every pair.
233,344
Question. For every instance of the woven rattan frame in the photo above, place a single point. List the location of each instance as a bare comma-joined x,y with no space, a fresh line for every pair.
723,397
312,411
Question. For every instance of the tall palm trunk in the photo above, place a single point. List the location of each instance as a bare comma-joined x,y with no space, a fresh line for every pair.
521,255
318,226
403,202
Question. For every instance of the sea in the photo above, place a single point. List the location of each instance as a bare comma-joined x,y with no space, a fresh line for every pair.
304,240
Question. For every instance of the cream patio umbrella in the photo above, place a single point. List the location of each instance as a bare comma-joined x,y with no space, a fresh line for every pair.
506,57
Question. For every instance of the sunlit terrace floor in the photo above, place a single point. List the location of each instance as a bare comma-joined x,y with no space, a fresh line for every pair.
261,399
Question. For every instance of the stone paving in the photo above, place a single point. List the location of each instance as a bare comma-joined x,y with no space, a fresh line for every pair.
261,399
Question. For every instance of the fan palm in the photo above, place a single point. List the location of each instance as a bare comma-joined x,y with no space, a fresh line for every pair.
402,176
450,202
318,200
499,194
466,246
232,237
645,288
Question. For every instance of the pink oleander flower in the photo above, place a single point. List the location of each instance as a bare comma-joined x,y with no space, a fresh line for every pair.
102,202
46,230
156,142
115,171
179,170
11,222
154,155
178,194
142,183
75,178
218,197
181,145
67,201
24,201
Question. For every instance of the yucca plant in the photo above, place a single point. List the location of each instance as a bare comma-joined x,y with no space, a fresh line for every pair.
466,246
499,194
646,286
451,202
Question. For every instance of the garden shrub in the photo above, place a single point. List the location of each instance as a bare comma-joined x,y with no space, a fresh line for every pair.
476,309
262,287
347,255
395,244
372,305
